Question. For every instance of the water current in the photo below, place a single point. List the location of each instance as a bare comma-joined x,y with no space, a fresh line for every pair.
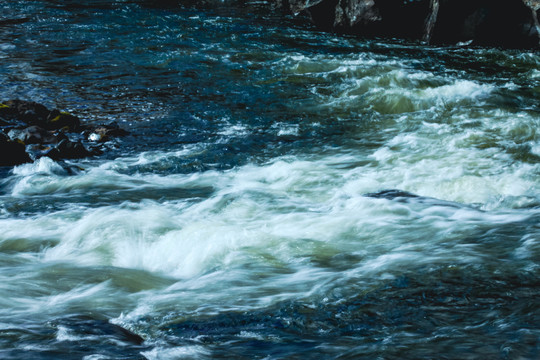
284,193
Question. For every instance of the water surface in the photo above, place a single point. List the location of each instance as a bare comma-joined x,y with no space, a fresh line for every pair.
284,193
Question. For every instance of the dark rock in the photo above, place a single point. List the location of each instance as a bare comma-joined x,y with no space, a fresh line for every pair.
33,135
504,23
391,194
67,149
88,326
403,18
6,112
33,125
12,152
510,23
60,119
104,132
322,14
431,20
28,111
32,113
92,334
406,19
8,117
407,197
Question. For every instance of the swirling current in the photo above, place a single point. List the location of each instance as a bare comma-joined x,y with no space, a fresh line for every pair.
283,193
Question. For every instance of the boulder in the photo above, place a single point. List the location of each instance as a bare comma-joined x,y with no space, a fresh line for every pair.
12,152
67,149
33,113
29,112
61,119
33,135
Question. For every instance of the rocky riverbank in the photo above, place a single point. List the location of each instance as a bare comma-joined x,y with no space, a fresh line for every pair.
502,23
29,131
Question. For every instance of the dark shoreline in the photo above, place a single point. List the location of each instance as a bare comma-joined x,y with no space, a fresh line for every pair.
506,23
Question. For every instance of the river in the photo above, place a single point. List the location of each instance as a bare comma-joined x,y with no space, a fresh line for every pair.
284,193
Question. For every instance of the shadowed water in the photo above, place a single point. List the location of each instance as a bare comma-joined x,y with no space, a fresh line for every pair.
284,193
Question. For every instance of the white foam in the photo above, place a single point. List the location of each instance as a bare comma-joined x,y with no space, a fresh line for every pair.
181,352
64,334
95,357
43,165
283,224
279,203
288,130
460,89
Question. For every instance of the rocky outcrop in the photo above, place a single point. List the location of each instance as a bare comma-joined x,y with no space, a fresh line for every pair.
12,152
504,23
511,23
29,130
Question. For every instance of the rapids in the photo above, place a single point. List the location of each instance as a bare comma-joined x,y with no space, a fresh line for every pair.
284,193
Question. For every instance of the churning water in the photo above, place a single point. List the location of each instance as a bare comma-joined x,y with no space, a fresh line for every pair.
284,193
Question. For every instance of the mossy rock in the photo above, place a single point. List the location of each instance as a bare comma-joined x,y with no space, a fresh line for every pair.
6,112
61,119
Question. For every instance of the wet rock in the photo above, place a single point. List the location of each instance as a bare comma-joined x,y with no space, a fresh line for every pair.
505,23
56,134
391,194
80,335
29,112
407,197
60,119
5,112
12,152
67,149
105,132
33,135
32,113
403,19
510,23
85,326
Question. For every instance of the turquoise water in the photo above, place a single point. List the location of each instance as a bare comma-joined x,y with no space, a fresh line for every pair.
284,193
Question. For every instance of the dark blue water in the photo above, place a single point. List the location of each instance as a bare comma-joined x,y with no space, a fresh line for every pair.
283,193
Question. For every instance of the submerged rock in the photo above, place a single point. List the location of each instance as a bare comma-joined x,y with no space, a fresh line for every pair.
85,326
407,197
391,194
83,334
505,23
29,131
